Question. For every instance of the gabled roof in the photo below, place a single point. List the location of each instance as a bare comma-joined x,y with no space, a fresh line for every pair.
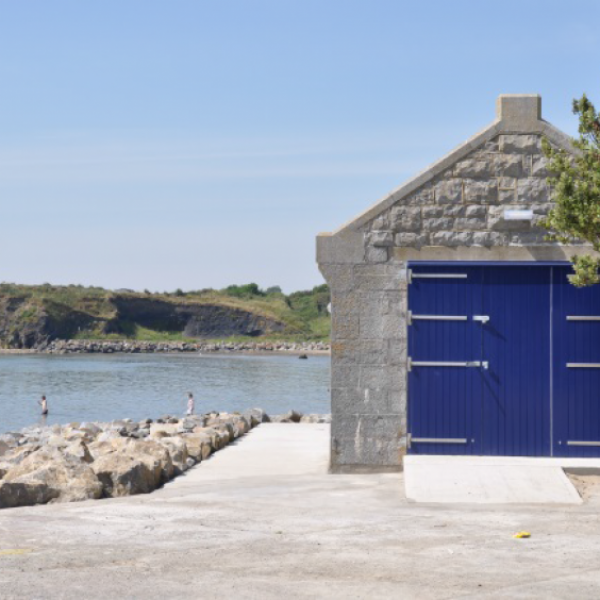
515,113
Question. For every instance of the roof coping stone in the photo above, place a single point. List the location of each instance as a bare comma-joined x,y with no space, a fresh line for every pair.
521,111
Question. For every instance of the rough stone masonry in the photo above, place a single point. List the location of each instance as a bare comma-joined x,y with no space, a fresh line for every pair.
454,210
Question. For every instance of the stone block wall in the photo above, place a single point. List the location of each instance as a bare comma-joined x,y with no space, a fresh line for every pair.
368,362
464,205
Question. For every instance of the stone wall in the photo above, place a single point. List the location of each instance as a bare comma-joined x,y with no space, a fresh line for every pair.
368,365
464,206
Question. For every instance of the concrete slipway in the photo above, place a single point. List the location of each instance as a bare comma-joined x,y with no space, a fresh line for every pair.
264,519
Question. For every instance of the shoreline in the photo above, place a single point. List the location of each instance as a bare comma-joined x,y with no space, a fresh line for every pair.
63,347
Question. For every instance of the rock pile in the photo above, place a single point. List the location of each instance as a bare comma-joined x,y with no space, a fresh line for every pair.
134,347
81,461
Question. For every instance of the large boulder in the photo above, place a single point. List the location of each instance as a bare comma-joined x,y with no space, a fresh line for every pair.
256,416
109,444
178,450
123,474
17,455
5,448
67,478
16,493
199,445
79,450
156,456
131,466
314,418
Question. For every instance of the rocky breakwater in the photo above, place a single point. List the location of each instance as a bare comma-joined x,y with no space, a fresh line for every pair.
83,461
137,347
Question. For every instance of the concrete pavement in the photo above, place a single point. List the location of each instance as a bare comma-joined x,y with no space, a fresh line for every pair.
491,479
263,519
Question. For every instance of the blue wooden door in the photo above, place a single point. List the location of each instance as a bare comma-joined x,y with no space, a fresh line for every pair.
445,383
516,346
576,367
479,347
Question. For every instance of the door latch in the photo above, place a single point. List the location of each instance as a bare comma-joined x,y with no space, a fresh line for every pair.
483,319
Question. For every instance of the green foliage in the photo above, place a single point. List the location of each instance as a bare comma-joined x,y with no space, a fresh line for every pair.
576,190
248,290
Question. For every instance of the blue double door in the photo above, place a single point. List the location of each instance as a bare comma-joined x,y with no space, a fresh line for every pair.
503,360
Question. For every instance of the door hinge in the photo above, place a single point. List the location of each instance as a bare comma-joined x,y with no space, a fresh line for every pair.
409,276
408,440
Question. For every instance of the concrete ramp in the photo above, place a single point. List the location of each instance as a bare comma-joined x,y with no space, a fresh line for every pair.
489,480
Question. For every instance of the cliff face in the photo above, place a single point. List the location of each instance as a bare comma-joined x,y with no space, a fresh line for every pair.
193,320
28,324
33,323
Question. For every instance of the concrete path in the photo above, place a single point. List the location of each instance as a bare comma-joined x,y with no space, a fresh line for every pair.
490,480
264,520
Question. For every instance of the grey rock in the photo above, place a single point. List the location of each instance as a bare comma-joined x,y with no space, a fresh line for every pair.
382,239
376,255
470,224
412,240
520,143
449,191
405,218
437,224
474,168
481,192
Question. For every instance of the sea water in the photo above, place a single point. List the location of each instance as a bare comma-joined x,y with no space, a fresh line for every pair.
100,387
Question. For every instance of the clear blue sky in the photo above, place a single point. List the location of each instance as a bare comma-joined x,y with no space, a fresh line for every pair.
190,143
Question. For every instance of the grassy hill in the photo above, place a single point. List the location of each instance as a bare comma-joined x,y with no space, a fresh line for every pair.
30,316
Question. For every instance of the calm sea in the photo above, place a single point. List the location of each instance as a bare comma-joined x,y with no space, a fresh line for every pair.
100,387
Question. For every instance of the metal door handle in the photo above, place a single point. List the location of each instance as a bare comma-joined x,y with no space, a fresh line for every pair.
427,363
481,318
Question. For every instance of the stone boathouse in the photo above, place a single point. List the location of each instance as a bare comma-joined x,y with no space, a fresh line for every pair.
454,327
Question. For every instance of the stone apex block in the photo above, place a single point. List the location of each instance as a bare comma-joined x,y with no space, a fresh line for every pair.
522,108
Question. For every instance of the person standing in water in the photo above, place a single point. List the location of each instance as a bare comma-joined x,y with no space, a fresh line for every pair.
190,404
44,404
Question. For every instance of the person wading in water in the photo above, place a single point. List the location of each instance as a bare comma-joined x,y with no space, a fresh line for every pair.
44,404
190,404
